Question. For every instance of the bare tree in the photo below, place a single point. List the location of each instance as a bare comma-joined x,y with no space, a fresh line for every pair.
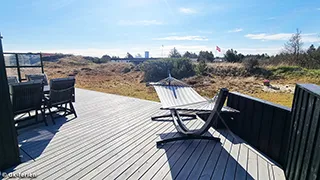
174,53
129,56
294,47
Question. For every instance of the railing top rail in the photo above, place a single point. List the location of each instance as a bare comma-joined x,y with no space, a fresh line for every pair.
262,101
311,88
22,53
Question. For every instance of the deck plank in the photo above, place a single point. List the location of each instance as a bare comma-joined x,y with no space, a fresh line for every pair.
278,173
138,159
160,156
105,160
195,160
232,161
223,159
180,164
242,166
213,159
160,168
199,166
263,172
114,138
64,152
135,154
252,165
270,170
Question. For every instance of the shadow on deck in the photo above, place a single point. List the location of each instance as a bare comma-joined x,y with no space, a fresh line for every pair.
114,138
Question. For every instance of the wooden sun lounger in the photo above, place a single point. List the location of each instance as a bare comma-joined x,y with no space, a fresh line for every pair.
177,96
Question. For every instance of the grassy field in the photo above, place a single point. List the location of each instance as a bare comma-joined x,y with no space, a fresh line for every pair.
126,79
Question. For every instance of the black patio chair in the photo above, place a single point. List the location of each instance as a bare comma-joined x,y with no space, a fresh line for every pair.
12,80
61,94
27,97
42,77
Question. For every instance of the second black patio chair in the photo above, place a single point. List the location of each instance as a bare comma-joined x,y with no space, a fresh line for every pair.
26,97
12,80
61,94
33,77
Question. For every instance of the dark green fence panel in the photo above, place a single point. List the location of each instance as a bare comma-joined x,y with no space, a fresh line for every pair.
262,124
9,151
303,158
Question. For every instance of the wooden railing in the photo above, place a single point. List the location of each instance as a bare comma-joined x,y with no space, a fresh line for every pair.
291,138
262,124
303,157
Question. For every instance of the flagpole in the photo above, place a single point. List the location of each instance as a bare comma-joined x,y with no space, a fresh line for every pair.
215,52
162,52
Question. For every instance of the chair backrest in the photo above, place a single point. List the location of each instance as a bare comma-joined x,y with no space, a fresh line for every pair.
61,90
12,79
33,77
26,96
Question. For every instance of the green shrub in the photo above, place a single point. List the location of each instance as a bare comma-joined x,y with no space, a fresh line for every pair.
250,63
202,68
294,72
155,70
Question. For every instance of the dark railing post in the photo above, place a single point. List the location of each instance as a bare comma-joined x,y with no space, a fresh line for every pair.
9,151
303,157
42,70
18,67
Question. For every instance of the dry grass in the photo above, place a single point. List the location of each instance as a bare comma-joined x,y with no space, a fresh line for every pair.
108,78
111,78
247,85
226,65
284,99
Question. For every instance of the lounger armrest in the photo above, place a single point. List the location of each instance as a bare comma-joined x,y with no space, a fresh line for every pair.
152,83
227,109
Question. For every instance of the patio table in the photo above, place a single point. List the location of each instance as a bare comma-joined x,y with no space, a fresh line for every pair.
46,89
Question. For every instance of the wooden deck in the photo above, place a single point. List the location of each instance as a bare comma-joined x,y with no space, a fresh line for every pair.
114,138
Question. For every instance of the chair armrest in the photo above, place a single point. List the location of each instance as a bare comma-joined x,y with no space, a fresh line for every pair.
227,109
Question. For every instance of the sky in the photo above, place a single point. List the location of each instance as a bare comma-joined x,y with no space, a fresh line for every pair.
98,27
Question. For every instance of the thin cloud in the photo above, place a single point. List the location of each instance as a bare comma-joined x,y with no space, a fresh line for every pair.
183,38
309,37
263,36
187,10
318,9
271,18
95,52
235,30
139,23
268,50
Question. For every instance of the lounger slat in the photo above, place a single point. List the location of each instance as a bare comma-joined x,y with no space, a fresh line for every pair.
177,95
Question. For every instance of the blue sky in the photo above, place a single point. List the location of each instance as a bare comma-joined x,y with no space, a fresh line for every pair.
97,27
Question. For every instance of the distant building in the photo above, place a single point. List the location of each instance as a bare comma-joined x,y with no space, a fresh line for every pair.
132,60
146,54
215,60
219,60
